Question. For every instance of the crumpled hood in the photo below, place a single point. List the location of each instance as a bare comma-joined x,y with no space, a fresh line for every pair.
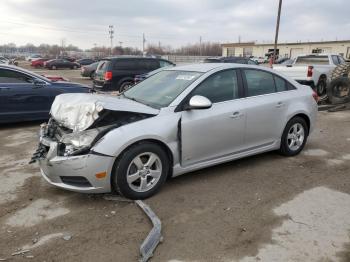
79,111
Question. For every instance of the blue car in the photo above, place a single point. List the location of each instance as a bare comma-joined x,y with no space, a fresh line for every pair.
26,96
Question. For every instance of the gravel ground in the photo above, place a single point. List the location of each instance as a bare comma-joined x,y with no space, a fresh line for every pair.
262,208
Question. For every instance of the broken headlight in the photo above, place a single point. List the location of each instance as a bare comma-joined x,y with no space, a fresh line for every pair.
82,140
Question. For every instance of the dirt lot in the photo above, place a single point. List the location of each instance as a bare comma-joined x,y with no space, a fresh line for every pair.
263,208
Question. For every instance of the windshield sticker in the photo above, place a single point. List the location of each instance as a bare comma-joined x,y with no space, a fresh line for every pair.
185,77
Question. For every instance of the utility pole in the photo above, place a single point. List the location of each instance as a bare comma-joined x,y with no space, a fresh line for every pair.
277,29
143,44
200,46
111,33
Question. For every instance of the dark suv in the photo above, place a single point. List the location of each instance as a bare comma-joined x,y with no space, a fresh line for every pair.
117,73
230,59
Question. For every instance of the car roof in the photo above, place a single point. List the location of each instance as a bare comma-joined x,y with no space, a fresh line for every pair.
131,57
203,67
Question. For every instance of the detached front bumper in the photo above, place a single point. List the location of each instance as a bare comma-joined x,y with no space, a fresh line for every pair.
89,173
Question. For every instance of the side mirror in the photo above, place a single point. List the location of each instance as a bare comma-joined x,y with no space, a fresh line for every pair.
199,102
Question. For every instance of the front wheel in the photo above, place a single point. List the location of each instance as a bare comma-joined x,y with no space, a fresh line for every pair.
294,137
92,75
140,171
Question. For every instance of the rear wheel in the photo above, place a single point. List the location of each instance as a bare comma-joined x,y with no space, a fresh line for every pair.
53,67
140,171
294,137
125,86
321,88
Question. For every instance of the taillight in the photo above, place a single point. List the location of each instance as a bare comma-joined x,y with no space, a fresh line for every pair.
315,96
309,71
108,75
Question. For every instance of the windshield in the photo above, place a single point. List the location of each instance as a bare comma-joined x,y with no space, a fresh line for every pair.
162,88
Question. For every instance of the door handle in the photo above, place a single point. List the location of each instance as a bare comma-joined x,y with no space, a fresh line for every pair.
279,104
235,115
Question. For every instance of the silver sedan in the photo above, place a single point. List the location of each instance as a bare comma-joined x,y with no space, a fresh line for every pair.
179,120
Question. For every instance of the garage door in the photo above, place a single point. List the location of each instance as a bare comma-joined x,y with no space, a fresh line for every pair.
296,51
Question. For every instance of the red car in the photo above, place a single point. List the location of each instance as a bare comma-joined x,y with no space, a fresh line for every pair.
38,63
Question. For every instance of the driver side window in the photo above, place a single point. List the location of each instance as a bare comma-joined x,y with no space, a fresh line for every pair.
13,77
222,86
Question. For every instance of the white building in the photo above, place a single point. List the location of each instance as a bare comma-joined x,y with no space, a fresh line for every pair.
287,49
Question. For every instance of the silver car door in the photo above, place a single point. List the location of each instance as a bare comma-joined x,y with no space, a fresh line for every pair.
212,133
265,109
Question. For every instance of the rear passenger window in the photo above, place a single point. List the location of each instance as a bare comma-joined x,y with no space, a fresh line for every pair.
259,82
222,86
148,64
280,83
164,63
290,86
124,64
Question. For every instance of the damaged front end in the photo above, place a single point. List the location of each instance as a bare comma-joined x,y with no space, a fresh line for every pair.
78,122
65,142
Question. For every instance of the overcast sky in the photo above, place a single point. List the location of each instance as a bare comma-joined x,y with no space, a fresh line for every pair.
172,22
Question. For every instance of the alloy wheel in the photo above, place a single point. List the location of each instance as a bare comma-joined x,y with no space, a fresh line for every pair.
295,137
144,172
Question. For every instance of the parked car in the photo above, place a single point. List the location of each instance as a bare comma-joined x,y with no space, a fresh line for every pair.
55,78
60,64
281,60
31,57
230,59
68,58
89,70
259,60
174,122
38,62
85,61
139,78
117,73
26,96
4,60
313,70
288,62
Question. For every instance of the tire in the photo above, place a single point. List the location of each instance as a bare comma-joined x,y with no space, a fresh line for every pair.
92,75
321,88
132,188
340,70
125,86
53,67
287,148
74,67
338,90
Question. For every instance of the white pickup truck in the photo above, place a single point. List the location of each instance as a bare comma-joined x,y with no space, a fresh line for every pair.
313,70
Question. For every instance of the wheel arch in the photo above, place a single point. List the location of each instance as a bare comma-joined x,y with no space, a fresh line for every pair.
154,141
303,116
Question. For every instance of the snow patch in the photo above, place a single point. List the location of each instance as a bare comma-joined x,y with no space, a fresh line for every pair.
37,212
317,228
